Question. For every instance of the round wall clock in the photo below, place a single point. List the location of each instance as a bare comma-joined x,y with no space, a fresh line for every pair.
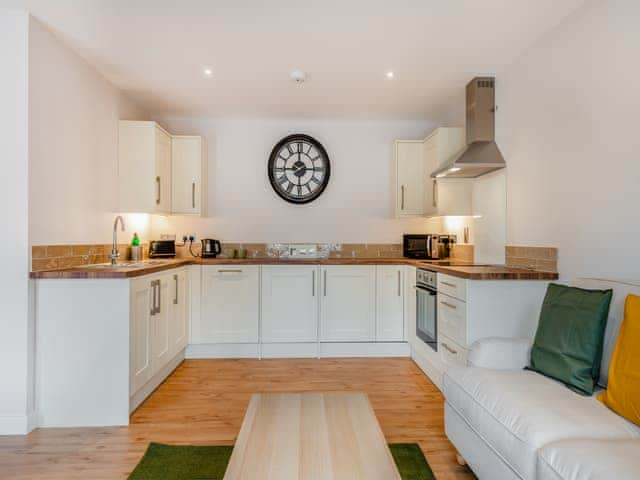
299,168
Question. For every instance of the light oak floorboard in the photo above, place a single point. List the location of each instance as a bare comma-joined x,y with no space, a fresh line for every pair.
204,402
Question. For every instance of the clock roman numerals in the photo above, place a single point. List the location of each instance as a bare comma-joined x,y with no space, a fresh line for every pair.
299,169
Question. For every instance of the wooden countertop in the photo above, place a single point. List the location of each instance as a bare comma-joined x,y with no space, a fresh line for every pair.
461,269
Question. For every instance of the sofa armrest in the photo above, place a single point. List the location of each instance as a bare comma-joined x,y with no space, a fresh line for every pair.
500,353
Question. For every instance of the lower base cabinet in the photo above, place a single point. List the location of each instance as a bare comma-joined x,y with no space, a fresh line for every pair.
229,305
289,303
348,303
389,303
159,324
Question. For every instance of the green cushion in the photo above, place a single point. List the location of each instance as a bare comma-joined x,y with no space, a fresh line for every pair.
570,336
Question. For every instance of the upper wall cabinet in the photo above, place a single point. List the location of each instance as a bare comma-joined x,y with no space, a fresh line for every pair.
188,167
144,168
419,195
445,196
410,172
158,172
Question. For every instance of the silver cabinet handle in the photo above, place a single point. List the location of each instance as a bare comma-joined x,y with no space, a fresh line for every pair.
434,196
447,304
175,300
451,350
324,283
158,190
313,283
153,299
193,195
159,309
229,271
399,293
402,197
449,284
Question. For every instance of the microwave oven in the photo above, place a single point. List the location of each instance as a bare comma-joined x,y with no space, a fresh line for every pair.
427,246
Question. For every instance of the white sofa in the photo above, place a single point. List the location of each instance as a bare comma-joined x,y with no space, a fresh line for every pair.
511,423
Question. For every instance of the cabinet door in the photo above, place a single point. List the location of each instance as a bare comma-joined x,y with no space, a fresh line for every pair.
186,175
163,171
230,305
289,303
430,151
409,178
179,331
140,334
347,311
453,196
160,321
389,303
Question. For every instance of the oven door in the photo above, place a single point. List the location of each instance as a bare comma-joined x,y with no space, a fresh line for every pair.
427,316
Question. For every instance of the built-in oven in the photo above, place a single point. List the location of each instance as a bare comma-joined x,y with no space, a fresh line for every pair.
426,307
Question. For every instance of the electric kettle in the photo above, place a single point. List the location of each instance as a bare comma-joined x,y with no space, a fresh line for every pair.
210,248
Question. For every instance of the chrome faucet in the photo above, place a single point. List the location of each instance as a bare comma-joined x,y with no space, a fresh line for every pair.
114,251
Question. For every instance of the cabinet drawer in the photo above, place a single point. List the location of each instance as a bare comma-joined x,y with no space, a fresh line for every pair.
451,354
452,318
452,286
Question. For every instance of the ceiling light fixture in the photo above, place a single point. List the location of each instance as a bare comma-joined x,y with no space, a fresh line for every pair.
390,74
207,72
297,75
454,169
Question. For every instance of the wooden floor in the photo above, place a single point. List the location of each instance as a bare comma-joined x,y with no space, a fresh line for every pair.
203,403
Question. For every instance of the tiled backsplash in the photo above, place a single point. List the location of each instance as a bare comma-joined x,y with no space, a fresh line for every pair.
51,257
462,252
541,258
348,250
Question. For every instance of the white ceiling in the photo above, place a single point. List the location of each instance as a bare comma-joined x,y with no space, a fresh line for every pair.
155,50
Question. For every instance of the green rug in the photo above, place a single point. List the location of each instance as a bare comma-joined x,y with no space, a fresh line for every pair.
183,462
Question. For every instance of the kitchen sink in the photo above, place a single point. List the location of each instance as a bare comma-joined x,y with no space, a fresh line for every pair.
141,264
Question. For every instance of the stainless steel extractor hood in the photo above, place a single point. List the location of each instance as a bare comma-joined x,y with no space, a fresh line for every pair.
481,154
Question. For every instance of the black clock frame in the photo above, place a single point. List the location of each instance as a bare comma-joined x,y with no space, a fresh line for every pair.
274,155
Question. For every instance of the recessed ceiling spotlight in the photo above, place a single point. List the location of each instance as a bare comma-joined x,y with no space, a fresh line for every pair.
297,75
390,74
207,72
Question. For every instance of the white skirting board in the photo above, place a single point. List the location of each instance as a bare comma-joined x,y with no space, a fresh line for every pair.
18,424
428,361
223,350
298,350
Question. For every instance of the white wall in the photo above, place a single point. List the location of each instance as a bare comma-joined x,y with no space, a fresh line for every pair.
357,205
16,322
568,128
74,116
489,227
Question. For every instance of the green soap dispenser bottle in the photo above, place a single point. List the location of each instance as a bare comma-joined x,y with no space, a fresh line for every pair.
135,241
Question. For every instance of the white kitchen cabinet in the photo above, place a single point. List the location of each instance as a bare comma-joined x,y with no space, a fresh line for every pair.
141,304
188,175
289,303
389,303
230,305
445,196
179,326
160,325
144,168
348,303
410,172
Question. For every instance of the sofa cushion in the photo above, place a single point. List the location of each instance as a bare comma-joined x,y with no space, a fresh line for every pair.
623,392
590,460
516,412
616,315
568,342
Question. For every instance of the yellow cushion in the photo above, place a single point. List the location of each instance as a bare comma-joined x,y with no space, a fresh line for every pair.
623,389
